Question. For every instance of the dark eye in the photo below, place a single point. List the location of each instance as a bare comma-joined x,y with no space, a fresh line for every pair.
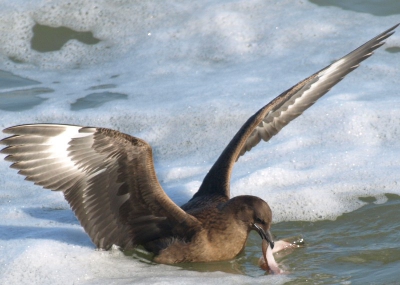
259,221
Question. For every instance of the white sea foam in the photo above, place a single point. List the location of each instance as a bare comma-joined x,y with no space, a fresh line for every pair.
193,74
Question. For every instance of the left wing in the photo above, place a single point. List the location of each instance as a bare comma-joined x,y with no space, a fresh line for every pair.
107,177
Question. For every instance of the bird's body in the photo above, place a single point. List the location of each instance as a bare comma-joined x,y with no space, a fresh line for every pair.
109,180
220,238
222,235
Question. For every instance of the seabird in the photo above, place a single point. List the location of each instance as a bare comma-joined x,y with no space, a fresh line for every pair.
109,180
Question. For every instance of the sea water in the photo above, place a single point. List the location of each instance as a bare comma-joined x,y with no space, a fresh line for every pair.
184,76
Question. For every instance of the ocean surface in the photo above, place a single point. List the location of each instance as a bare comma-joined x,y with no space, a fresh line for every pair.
184,76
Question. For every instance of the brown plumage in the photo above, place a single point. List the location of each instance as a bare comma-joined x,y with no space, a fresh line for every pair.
109,180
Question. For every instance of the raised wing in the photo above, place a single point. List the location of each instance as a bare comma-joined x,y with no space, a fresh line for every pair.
107,177
270,119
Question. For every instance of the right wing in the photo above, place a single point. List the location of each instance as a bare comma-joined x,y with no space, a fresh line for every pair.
270,119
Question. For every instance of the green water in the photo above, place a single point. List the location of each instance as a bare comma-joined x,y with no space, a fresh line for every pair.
46,39
95,100
361,247
373,7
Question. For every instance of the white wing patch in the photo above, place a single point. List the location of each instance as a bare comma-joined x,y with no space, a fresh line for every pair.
41,153
59,145
298,103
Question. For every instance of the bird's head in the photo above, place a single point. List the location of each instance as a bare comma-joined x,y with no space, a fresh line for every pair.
255,214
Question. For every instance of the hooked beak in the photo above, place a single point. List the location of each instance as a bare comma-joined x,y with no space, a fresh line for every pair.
266,235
